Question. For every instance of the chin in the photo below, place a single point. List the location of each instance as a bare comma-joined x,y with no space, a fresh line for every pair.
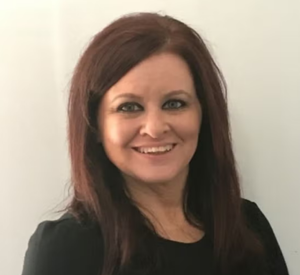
155,178
157,175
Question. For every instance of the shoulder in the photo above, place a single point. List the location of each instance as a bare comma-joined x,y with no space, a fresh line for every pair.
258,223
255,218
251,211
64,246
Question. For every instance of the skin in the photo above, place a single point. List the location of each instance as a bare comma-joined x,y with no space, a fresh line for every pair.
154,104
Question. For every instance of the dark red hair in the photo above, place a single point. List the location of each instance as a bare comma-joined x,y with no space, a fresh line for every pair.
212,192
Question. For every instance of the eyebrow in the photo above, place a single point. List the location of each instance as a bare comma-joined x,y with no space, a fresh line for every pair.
137,97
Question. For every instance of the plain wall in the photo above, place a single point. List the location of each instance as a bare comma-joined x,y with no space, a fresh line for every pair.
257,45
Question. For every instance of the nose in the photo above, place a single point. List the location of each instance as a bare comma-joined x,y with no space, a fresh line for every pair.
154,124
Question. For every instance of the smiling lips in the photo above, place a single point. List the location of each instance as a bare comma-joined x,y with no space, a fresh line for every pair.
155,150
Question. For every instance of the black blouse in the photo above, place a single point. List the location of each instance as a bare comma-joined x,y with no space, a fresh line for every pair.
67,247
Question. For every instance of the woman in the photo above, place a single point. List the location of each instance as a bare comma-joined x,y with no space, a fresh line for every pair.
156,189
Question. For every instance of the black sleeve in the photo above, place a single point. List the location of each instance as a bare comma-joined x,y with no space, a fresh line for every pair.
259,223
63,247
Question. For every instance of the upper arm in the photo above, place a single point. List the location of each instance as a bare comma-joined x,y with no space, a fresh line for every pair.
63,247
260,224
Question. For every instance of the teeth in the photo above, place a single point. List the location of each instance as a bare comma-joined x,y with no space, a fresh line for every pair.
153,150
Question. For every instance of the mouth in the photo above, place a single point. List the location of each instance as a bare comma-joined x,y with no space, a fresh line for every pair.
155,150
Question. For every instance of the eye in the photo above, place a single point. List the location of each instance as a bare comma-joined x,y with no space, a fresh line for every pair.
129,107
174,104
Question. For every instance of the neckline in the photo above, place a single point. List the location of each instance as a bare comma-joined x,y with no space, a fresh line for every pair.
183,244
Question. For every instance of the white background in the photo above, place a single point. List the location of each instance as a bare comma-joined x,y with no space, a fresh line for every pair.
257,45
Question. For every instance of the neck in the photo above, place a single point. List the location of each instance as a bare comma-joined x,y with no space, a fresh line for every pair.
162,202
162,205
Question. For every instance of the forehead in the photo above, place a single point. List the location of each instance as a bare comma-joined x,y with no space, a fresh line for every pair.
159,73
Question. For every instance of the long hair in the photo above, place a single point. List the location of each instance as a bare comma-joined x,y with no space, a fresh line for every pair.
212,191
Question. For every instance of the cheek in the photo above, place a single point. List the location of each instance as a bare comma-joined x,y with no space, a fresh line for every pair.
117,133
189,126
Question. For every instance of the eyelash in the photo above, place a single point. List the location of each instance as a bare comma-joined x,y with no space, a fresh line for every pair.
138,107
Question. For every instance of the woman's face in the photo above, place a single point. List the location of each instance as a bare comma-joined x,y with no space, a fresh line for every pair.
149,121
